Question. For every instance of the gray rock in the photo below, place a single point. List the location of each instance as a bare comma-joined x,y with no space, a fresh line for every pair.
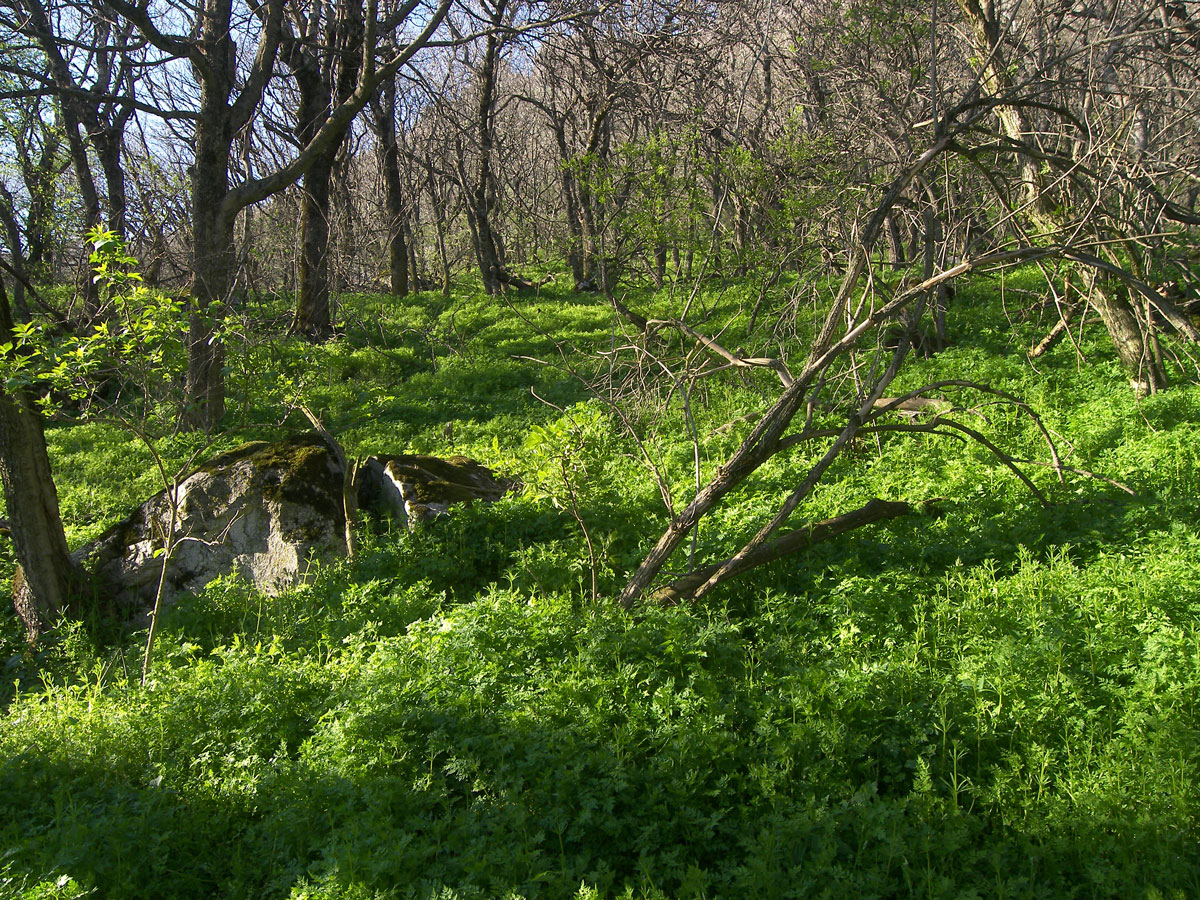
266,511
415,489
263,510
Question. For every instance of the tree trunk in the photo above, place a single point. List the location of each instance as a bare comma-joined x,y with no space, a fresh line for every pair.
566,182
383,120
109,150
48,580
1145,372
88,194
312,317
413,274
326,76
398,247
482,190
7,208
685,587
213,260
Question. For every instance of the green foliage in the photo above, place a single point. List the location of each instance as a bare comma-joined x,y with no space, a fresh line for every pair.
1000,702
136,340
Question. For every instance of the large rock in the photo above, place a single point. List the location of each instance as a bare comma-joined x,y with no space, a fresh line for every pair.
266,511
414,489
263,510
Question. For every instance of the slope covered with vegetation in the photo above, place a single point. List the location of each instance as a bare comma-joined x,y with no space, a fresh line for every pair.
998,699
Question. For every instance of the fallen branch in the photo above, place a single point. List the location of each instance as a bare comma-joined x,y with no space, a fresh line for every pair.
875,510
912,406
629,315
1055,334
1075,471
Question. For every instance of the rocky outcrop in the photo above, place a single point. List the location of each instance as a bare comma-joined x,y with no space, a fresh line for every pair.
267,511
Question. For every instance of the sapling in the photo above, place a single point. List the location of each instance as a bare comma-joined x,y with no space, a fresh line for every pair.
82,377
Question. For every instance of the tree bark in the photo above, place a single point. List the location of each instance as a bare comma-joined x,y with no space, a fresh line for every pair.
313,318
326,73
213,264
383,121
481,188
875,510
48,581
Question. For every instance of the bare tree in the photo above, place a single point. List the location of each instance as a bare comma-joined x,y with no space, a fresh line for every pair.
230,93
383,125
93,62
1069,84
28,209
322,47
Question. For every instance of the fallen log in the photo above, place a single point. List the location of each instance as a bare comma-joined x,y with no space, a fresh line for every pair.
875,510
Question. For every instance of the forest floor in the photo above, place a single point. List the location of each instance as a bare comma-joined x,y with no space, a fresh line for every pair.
1000,701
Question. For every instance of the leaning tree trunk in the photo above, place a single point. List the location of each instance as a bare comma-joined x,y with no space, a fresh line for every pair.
47,579
1146,373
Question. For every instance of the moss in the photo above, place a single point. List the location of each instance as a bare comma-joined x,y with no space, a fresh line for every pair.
296,469
436,480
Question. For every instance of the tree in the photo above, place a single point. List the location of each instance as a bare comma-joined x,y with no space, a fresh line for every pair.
36,146
383,125
228,100
322,47
1068,85
49,582
479,186
91,64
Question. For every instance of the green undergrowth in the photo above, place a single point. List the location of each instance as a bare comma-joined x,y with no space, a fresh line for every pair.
995,699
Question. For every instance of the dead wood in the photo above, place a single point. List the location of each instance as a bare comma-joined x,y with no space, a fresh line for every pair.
875,510
638,321
911,407
1056,334
736,360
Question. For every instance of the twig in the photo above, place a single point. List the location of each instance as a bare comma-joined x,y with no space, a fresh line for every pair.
1084,472
778,366
349,500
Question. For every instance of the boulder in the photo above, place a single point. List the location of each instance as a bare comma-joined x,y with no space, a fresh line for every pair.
263,510
266,511
415,489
